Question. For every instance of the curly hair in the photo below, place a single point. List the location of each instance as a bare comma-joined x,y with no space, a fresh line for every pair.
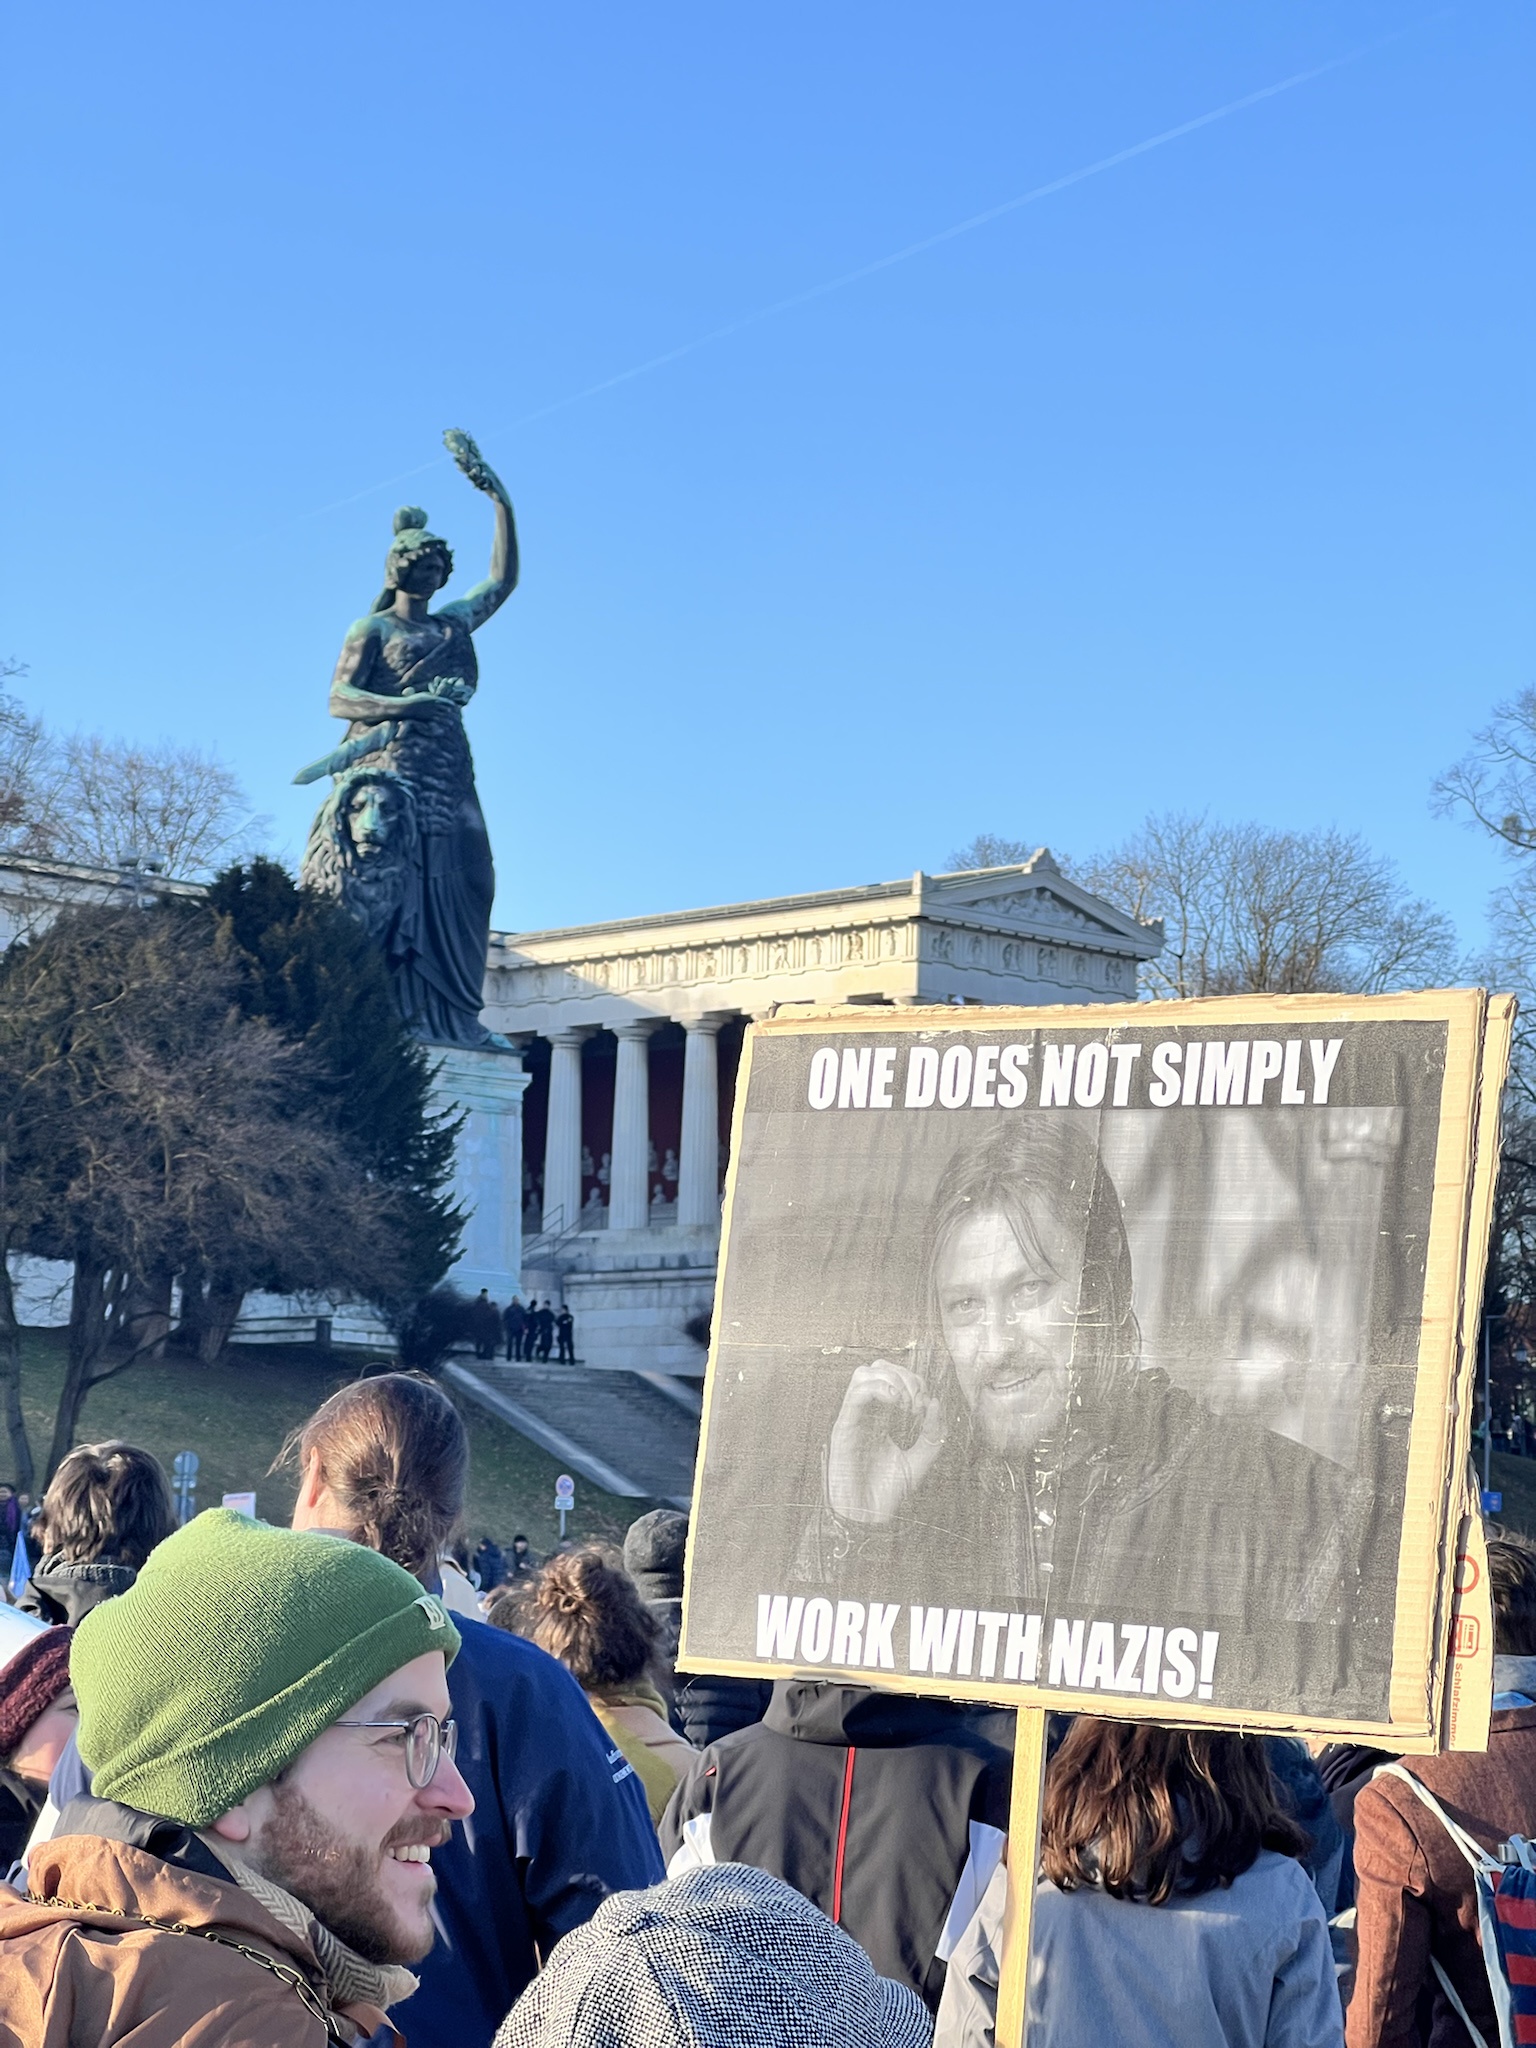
395,1456
584,1609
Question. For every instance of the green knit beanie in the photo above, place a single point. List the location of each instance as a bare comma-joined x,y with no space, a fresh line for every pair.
235,1647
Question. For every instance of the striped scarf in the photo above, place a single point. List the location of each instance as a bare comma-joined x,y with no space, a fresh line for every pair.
349,1978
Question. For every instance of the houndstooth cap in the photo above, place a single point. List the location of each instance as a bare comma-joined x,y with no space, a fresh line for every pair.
724,1957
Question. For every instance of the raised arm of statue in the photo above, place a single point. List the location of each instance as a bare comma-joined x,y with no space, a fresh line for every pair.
489,596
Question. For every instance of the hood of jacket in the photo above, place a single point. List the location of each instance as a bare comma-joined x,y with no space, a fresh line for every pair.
858,1717
64,1592
172,1943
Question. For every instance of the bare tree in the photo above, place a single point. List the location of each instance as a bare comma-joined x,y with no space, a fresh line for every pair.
28,779
987,850
106,802
163,806
1494,787
1253,911
1496,782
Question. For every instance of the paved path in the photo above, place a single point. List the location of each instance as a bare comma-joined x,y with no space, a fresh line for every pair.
617,1429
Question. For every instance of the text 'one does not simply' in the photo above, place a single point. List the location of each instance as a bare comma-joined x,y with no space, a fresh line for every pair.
1209,1073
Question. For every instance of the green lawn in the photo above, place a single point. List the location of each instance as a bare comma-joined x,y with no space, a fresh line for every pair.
236,1414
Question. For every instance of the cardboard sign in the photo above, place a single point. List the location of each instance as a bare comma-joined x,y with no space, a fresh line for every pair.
1115,1359
1468,1712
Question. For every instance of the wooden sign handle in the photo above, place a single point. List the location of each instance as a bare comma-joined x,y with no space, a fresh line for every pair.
1023,1863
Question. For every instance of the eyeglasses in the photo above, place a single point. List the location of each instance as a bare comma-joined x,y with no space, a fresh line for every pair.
426,1741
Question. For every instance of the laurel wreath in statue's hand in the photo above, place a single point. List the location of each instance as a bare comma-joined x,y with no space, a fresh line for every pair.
461,447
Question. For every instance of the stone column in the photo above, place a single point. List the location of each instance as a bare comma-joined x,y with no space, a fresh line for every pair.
628,1208
562,1141
698,1175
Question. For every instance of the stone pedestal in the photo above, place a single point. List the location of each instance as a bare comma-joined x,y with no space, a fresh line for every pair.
633,1294
488,1165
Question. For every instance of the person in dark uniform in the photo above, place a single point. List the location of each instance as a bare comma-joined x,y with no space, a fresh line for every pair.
544,1321
514,1320
1019,1450
565,1330
489,1564
485,1324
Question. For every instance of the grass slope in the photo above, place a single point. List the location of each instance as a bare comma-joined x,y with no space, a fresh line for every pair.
236,1414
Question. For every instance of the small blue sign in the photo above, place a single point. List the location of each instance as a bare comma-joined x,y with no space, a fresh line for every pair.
1493,1501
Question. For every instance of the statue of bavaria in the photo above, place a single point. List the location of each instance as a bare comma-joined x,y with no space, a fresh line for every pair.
400,840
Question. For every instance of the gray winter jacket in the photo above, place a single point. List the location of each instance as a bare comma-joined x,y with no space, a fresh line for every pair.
1245,1967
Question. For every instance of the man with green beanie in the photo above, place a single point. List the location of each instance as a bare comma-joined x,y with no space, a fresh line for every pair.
265,1715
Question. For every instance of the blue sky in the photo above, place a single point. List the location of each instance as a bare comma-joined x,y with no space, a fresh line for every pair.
1203,482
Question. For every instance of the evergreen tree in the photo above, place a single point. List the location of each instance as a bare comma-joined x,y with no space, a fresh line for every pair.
305,968
150,1129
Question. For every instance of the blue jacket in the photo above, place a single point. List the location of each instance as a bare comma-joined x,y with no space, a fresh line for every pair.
560,1821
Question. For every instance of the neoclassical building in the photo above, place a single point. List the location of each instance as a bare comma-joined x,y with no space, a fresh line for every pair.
630,1033
33,892
592,1157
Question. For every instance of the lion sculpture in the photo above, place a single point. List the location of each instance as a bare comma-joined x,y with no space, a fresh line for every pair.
362,852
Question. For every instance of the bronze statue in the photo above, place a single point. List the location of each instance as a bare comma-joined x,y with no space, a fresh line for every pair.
400,840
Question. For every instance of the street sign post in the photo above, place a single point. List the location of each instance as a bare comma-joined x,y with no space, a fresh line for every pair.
565,1499
184,1472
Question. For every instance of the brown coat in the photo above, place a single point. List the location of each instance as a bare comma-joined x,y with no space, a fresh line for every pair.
84,1970
636,1717
1415,1894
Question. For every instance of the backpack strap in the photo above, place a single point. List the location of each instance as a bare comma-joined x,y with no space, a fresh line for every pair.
1484,1864
1483,1867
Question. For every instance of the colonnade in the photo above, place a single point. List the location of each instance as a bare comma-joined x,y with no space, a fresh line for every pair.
698,1176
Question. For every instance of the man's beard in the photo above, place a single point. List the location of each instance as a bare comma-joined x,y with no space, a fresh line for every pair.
1033,1418
339,1879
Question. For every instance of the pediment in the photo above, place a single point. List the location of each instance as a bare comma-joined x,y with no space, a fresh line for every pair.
1036,898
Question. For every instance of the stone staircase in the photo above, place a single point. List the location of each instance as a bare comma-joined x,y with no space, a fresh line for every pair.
621,1431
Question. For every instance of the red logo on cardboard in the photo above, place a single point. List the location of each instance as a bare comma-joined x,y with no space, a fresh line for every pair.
1464,1636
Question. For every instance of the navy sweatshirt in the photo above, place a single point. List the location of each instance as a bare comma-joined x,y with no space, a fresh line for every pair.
560,1821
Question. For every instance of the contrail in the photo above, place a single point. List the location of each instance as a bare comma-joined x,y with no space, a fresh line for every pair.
904,255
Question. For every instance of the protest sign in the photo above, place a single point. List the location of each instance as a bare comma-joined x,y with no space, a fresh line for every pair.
1115,1359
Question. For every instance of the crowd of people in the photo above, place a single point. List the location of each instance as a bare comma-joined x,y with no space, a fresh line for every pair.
266,1785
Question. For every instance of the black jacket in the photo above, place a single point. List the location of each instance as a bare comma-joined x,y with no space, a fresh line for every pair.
20,1805
61,1592
884,1812
710,1707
